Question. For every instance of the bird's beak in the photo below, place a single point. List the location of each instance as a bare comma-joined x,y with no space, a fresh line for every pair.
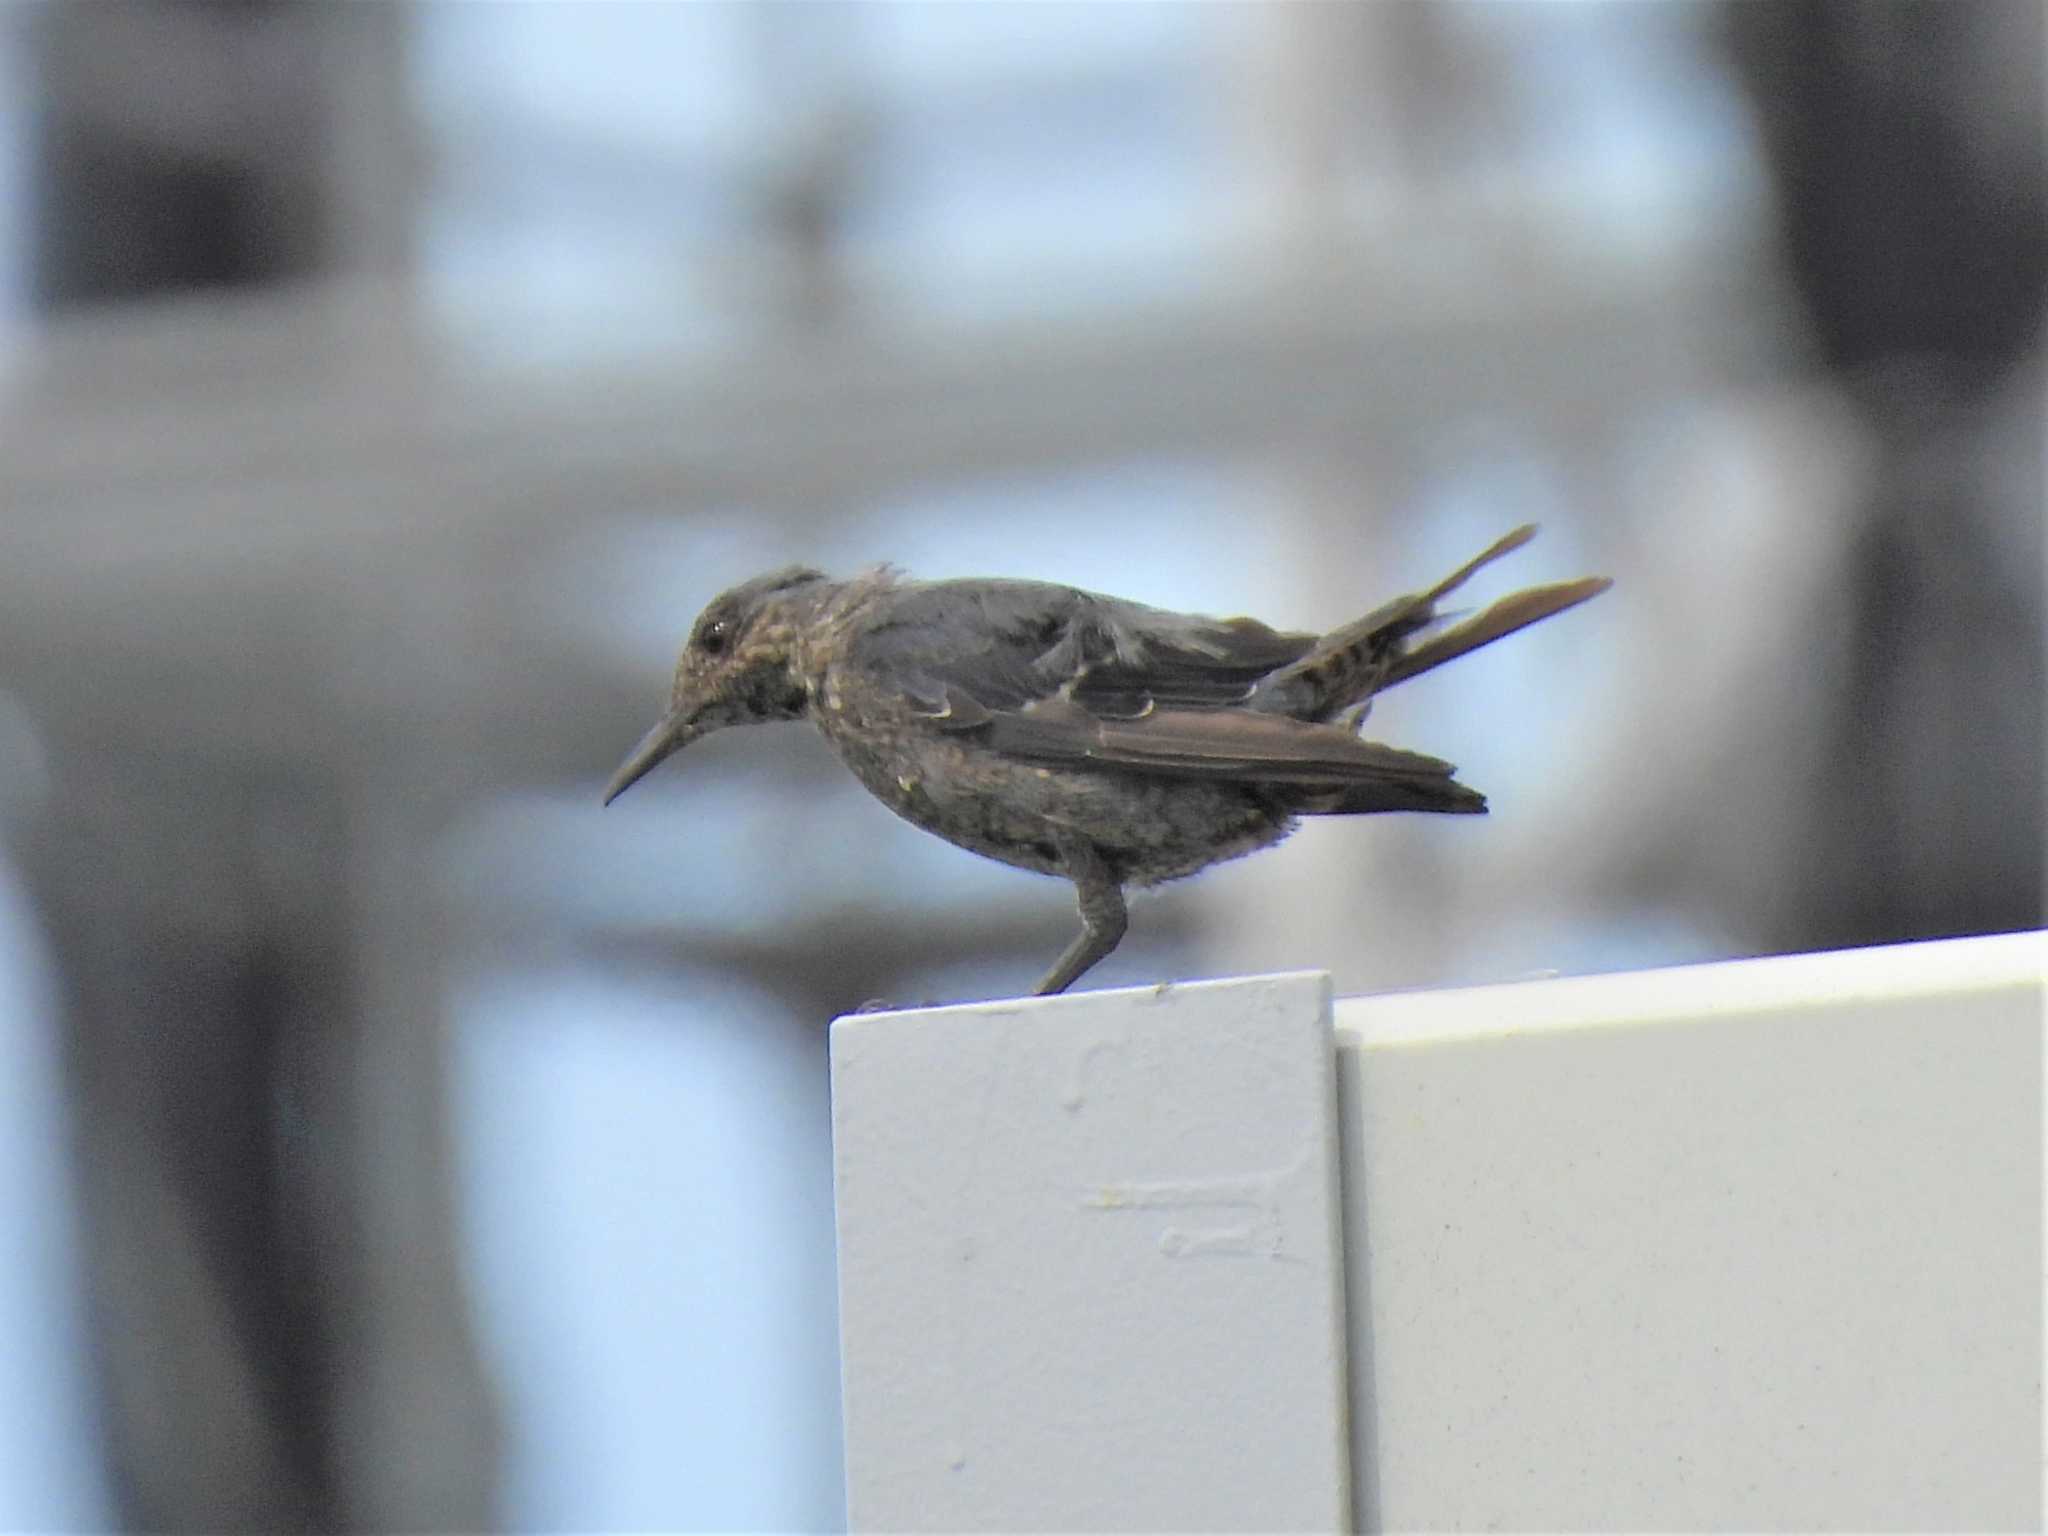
675,731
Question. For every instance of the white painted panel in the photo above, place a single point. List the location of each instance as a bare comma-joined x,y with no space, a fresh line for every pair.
1748,1246
1089,1266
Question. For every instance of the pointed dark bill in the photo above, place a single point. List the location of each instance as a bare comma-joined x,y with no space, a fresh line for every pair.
674,732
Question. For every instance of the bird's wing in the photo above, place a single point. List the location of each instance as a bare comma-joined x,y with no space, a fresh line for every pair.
1007,644
1051,675
1204,744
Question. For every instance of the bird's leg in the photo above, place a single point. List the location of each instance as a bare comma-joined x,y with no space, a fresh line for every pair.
1101,900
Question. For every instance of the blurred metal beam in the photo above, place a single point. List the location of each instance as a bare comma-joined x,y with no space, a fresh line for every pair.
254,1034
416,1432
184,1011
242,1205
117,423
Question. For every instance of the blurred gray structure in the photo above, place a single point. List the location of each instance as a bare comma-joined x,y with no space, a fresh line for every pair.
317,624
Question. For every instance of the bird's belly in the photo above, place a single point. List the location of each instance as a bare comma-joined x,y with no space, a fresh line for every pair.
1150,829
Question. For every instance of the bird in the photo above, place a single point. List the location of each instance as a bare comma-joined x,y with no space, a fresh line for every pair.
1079,735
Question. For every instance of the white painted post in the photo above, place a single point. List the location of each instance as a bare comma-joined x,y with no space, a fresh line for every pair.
1755,1245
1089,1265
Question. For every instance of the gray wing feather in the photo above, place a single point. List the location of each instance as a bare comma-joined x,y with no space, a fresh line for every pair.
1221,744
1007,644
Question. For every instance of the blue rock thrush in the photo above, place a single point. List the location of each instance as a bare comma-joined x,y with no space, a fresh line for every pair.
1080,735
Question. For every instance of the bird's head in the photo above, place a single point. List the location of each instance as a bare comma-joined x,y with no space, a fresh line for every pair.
735,668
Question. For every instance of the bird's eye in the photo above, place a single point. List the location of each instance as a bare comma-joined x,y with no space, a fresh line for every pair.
712,641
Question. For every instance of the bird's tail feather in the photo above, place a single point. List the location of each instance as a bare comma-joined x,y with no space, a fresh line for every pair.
1442,795
1517,611
1349,665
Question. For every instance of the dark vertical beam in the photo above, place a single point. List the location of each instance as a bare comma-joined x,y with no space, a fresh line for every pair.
178,1015
1906,145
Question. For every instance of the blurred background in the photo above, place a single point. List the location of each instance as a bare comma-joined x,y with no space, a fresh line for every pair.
389,1139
